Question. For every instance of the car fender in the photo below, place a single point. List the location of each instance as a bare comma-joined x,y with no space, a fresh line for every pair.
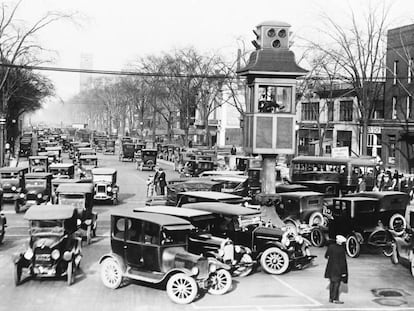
219,264
115,257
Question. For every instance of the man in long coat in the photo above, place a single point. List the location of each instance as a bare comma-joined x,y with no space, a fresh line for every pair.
336,268
162,181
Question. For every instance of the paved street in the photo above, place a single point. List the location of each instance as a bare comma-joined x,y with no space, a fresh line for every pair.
295,290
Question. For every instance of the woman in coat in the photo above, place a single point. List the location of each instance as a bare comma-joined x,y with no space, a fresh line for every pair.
336,268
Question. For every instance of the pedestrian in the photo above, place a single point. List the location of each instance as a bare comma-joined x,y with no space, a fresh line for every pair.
150,186
162,182
362,186
336,268
156,181
233,150
387,183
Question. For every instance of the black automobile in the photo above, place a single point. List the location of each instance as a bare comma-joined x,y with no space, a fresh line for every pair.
38,190
62,170
192,184
403,246
152,248
201,241
127,151
80,195
54,248
274,248
38,164
104,180
148,159
13,183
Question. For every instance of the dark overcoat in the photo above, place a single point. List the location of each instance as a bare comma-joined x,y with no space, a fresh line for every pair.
337,265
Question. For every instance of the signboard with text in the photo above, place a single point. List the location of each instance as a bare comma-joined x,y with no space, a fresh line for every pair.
340,152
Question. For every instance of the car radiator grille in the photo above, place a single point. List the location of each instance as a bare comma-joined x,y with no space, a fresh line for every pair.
101,189
31,196
42,256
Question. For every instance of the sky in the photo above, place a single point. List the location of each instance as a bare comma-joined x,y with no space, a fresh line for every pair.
118,32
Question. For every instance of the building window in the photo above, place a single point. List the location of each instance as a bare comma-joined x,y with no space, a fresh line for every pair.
410,70
409,107
310,111
391,149
394,108
330,111
346,110
395,71
273,99
374,145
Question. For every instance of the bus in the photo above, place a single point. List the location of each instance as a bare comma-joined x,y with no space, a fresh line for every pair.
344,171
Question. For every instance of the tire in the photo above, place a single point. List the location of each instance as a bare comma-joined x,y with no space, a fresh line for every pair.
353,247
221,282
242,272
398,224
316,219
274,261
17,274
88,234
181,288
394,256
317,237
111,273
70,273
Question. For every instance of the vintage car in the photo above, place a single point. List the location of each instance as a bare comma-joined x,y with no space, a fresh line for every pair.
57,151
86,164
208,196
152,248
104,180
274,248
54,247
391,207
360,220
195,168
80,195
109,146
38,190
148,159
25,147
83,151
127,151
62,170
58,181
403,246
193,184
13,182
233,184
202,242
38,164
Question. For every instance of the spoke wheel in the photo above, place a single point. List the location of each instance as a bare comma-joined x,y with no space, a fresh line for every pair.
17,274
111,273
317,237
221,282
353,247
244,271
70,273
181,288
274,261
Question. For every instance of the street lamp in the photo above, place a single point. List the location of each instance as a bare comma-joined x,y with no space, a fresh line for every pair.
2,124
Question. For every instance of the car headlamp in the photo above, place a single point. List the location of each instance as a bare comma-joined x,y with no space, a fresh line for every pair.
13,188
194,270
237,249
212,268
28,254
39,195
67,255
109,188
55,254
88,222
22,195
299,239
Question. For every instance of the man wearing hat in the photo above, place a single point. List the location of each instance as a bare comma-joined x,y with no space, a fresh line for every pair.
336,268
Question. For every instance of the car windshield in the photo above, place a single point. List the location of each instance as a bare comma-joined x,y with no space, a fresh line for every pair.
35,183
76,200
249,220
173,237
8,175
89,162
46,227
105,178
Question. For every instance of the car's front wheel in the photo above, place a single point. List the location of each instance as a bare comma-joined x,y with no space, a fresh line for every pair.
317,237
245,271
111,273
353,247
274,261
221,282
181,288
17,274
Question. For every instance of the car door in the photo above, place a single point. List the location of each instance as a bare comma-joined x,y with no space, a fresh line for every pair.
150,246
134,243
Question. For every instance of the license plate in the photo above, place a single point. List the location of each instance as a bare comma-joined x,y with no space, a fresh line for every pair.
43,257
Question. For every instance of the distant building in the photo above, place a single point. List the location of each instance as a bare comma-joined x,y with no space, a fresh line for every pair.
397,128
